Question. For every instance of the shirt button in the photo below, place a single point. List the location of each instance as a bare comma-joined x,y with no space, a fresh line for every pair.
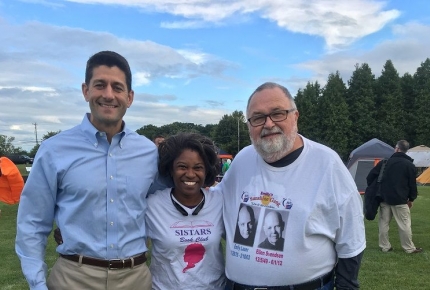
111,223
111,200
111,177
111,245
110,154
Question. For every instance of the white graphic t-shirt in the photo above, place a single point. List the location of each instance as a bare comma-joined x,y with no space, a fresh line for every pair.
186,250
305,215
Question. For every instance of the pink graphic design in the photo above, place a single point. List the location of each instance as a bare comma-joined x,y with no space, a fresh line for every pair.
193,254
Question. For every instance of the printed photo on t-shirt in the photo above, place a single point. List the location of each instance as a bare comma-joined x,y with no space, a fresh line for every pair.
246,225
272,230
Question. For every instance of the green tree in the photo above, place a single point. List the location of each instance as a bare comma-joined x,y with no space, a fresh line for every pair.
422,108
409,105
334,115
360,99
209,130
177,127
6,146
149,131
307,104
48,135
389,105
231,134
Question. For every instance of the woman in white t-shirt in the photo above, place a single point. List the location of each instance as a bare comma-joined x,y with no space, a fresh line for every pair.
185,223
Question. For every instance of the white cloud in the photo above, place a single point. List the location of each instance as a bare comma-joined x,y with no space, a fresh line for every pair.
339,22
407,50
141,78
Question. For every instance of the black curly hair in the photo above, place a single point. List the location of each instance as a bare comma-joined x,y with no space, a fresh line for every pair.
173,146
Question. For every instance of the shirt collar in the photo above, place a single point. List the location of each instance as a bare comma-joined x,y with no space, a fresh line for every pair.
92,133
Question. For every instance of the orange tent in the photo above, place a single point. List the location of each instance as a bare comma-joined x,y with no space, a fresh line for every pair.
11,182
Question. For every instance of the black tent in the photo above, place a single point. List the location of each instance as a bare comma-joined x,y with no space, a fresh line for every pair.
363,158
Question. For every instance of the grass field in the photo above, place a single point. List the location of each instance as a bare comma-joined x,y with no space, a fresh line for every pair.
379,271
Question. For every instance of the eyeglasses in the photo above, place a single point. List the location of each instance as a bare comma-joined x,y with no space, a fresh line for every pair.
276,116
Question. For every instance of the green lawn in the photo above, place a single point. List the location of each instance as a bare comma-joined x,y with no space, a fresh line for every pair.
379,271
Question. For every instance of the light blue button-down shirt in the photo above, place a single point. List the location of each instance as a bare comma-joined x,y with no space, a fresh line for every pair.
94,191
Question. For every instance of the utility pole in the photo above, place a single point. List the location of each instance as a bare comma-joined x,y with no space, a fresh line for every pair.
35,132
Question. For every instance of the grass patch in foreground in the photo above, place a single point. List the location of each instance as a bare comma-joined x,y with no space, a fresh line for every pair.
398,270
379,271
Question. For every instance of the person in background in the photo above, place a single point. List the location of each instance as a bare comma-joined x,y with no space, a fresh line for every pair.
226,166
185,222
308,184
92,181
158,139
399,190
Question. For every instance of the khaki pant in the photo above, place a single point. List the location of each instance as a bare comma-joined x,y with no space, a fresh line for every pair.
71,275
402,215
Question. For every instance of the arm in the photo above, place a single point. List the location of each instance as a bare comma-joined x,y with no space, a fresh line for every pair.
35,219
347,273
374,173
413,191
160,183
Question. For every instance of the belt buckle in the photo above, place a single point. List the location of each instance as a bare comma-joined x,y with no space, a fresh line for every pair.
259,288
112,267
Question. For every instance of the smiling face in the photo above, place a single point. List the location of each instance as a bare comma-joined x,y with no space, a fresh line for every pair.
108,97
273,227
273,140
188,174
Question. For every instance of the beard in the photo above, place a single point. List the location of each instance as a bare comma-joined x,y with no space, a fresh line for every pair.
277,147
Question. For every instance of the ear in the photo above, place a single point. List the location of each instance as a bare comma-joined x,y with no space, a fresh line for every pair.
85,91
130,98
296,114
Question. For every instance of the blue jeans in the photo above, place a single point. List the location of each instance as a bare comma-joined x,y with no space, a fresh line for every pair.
328,286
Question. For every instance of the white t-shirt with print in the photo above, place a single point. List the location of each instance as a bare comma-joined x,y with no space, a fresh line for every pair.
320,207
186,250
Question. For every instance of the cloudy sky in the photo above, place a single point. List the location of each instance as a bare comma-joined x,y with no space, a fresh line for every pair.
192,61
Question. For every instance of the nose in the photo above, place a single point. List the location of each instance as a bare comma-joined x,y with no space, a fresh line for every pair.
190,173
108,93
269,123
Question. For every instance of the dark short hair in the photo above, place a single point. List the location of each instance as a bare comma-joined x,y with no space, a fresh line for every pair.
173,146
403,145
271,85
109,59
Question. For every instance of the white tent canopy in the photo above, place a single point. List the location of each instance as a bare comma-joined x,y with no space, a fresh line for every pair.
420,155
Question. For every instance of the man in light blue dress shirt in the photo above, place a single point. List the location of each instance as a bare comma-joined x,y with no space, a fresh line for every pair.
91,181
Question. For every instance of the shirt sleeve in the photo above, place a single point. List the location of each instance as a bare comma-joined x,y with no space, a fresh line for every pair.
35,219
160,183
413,190
347,273
373,173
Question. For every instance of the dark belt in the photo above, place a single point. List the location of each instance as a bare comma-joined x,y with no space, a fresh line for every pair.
110,264
310,285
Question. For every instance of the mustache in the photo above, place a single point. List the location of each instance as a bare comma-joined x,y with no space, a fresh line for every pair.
270,131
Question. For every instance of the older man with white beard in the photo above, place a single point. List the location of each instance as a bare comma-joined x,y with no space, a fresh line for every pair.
309,186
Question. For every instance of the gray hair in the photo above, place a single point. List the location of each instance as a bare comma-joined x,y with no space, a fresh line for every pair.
271,85
403,146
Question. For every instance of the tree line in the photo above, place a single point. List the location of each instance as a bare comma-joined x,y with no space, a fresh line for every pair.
390,108
340,115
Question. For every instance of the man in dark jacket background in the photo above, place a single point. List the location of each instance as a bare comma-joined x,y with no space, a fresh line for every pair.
399,190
